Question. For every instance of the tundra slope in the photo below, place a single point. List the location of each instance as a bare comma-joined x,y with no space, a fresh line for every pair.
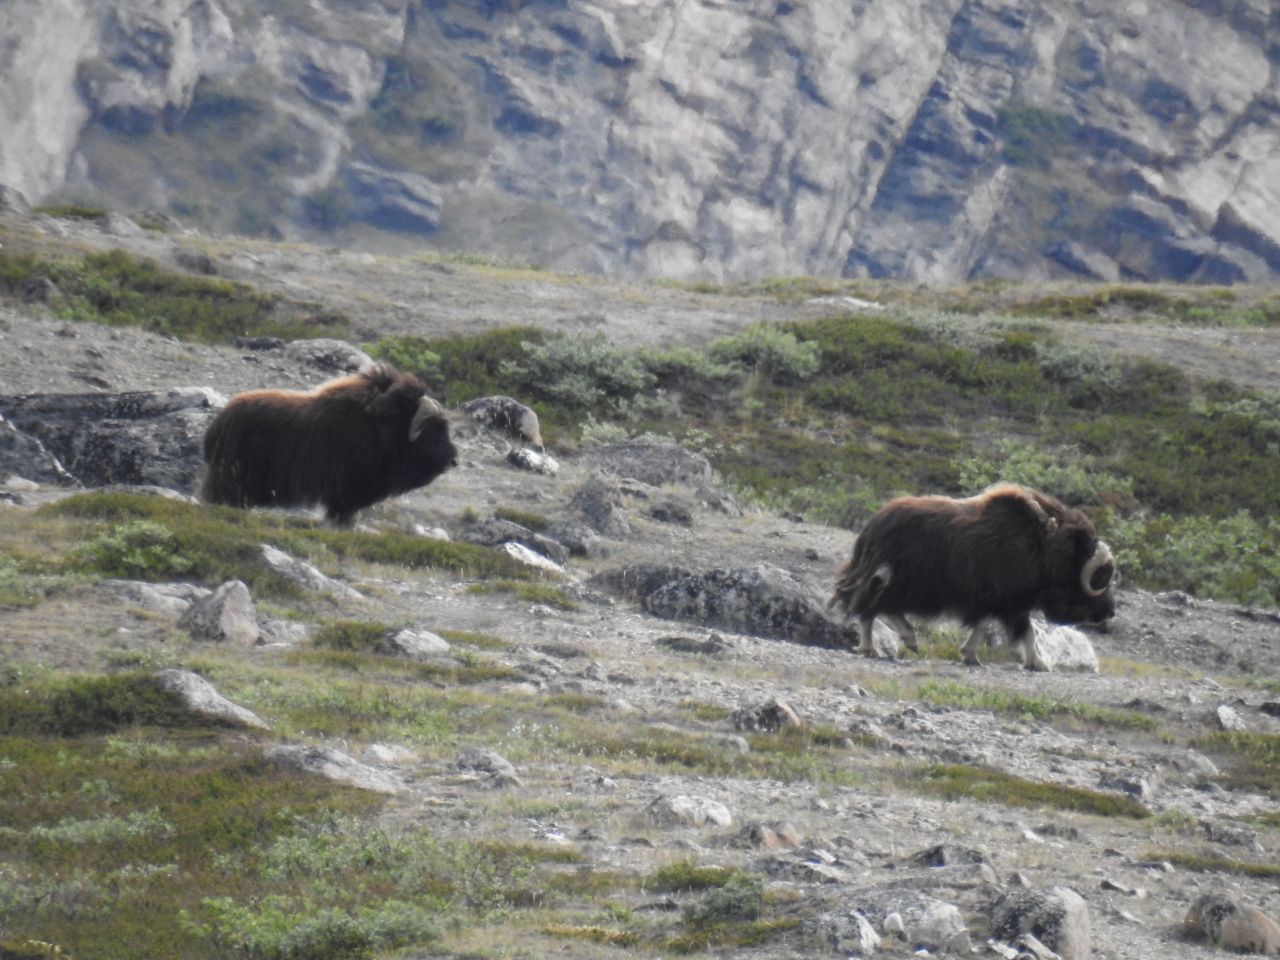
1171,657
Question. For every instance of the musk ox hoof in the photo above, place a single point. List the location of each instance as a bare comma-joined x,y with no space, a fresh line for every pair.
972,661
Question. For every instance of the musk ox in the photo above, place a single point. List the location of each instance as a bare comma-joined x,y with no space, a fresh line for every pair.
345,445
994,557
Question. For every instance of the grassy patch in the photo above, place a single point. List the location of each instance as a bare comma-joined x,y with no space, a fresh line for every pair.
956,782
685,875
69,706
149,537
1213,863
542,593
530,521
116,288
951,693
1251,760
467,669
123,830
480,641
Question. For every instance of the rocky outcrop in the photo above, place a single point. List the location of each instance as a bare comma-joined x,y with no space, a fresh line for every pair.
935,140
763,600
139,438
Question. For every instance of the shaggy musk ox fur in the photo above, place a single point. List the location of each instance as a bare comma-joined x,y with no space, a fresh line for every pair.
993,557
345,445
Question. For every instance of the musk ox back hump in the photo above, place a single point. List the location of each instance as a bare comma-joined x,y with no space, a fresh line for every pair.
345,445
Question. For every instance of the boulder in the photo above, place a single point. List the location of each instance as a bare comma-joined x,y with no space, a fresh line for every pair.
1058,918
201,699
495,532
764,601
1228,923
334,765
226,615
598,503
305,575
507,417
688,811
138,438
1064,648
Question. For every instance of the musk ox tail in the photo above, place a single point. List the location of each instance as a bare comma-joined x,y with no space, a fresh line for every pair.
859,583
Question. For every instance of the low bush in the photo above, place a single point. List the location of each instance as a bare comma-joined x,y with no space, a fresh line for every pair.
116,288
75,705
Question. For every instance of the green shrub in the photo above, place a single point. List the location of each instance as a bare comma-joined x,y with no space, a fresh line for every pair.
72,706
139,549
954,781
119,289
410,354
462,368
352,635
1233,558
1069,475
226,544
769,351
580,373
1032,136
739,896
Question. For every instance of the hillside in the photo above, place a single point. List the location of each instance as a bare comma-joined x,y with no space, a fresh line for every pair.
524,780
934,140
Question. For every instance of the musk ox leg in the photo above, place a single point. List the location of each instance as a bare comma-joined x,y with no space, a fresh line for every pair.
904,630
866,638
970,648
1023,639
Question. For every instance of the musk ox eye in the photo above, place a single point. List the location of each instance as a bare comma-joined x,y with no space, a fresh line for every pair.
1101,578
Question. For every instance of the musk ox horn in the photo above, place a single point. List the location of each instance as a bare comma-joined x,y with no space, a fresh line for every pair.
1101,558
427,408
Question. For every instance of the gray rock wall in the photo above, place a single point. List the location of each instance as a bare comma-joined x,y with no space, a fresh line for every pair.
935,140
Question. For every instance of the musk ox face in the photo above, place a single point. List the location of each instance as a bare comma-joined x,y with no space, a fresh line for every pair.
1086,597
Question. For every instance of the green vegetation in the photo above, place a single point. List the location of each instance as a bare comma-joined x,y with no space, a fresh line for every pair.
955,781
1213,863
121,825
154,538
1032,136
830,418
952,693
119,289
1251,760
542,593
75,705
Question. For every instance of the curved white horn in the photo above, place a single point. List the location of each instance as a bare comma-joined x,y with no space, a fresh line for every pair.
1101,557
427,407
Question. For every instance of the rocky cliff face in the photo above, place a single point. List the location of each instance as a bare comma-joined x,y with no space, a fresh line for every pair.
936,140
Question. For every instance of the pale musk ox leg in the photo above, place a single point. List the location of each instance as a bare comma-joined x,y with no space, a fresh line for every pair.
904,630
1022,636
970,648
866,639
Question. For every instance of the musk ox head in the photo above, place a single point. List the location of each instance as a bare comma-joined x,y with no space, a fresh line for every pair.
1082,588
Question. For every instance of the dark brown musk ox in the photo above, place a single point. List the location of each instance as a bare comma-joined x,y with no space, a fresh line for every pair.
993,557
346,445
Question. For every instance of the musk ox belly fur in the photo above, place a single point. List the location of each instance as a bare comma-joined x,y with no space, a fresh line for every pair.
992,557
345,445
